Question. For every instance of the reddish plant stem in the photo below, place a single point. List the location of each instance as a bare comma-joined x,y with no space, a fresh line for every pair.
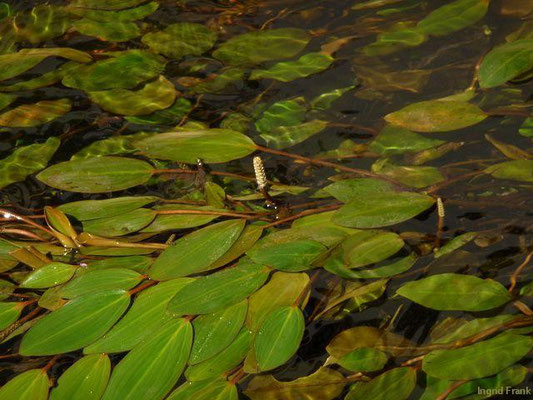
22,232
13,216
142,287
6,332
50,363
516,273
207,212
450,181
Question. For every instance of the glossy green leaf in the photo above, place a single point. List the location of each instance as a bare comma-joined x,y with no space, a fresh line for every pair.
518,170
210,389
120,225
152,368
349,189
136,263
478,360
156,95
50,275
30,115
336,266
437,116
397,384
97,175
456,292
248,237
453,17
146,315
29,385
9,313
181,39
211,146
171,222
396,140
214,332
282,113
26,160
84,210
219,290
100,280
369,247
78,323
196,251
324,384
473,327
282,290
364,359
117,31
14,64
130,14
292,256
111,146
122,70
279,337
505,63
378,210
308,64
224,361
274,44
86,379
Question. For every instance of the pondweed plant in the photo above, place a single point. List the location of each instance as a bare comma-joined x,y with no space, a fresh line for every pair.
221,200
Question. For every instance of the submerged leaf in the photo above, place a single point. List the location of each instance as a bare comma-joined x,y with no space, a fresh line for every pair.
456,292
397,384
29,115
308,64
115,31
519,170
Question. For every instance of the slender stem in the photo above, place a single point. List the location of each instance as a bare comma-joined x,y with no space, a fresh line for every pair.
50,363
22,232
15,325
517,272
11,215
140,288
208,212
323,163
448,182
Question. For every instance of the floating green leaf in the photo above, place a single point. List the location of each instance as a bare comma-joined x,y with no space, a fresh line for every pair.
26,160
156,95
456,243
364,359
30,385
292,256
211,146
274,44
151,369
456,292
100,279
279,337
84,210
519,170
413,176
375,211
197,251
85,379
78,323
30,115
120,225
477,360
97,175
218,389
219,290
50,275
181,39
369,247
349,189
214,332
9,313
505,63
147,314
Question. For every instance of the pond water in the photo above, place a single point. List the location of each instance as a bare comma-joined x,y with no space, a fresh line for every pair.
390,249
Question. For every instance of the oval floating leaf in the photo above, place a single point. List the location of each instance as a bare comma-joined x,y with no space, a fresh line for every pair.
437,116
211,146
84,210
30,385
86,379
50,275
279,337
456,292
78,323
292,256
518,170
97,175
150,370
100,280
219,290
506,62
120,225
196,251
376,211
478,360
